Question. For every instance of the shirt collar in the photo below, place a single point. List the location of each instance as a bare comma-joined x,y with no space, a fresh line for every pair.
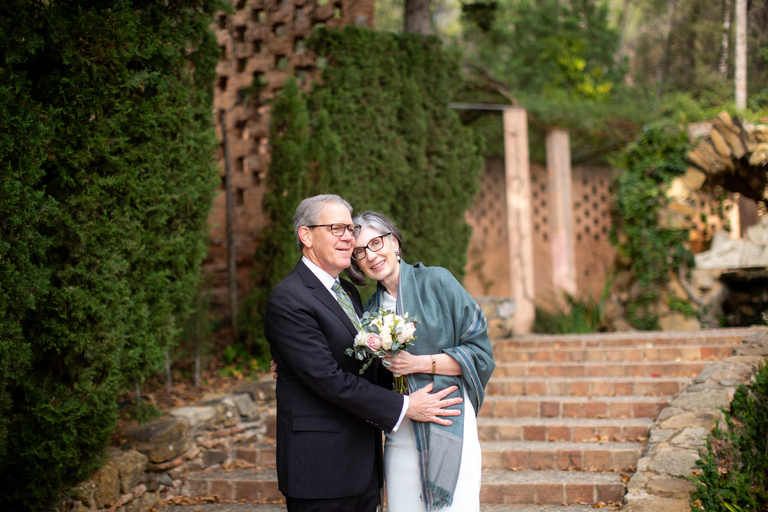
327,279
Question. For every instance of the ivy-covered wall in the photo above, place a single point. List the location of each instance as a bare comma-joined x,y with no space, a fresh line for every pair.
376,130
106,181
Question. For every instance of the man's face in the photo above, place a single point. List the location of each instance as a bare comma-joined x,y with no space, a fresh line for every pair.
330,253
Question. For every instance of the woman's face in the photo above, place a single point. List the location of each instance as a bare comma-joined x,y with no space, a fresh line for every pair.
383,264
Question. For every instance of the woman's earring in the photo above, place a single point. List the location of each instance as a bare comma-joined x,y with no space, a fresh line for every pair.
397,253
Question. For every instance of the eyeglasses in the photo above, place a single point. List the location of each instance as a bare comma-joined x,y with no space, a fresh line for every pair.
374,245
339,229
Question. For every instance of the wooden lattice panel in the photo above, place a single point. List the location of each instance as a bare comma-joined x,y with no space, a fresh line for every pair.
487,271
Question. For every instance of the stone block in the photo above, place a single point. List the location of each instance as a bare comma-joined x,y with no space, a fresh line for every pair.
195,415
676,463
670,488
657,504
705,401
679,322
159,441
213,457
107,485
245,405
131,466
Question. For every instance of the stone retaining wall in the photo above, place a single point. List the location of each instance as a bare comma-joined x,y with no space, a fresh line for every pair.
680,432
154,459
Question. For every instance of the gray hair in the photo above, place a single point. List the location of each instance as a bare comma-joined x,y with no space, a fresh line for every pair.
309,210
379,223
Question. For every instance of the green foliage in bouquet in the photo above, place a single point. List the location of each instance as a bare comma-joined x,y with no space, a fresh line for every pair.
733,471
106,183
378,133
653,248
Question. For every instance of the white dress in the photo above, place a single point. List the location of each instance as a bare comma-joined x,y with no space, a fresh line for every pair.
401,463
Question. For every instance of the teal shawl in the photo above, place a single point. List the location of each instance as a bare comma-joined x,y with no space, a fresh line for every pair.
452,323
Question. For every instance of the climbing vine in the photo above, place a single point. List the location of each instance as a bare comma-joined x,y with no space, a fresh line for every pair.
641,235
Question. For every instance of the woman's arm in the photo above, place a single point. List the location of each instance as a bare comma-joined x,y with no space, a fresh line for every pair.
406,363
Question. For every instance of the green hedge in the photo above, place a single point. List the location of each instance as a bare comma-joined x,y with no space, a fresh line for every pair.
378,132
107,180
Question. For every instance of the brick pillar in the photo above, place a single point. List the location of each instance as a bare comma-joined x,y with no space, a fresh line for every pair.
559,184
520,227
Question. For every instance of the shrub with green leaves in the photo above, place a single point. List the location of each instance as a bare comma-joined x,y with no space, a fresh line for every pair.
734,475
653,248
380,134
107,181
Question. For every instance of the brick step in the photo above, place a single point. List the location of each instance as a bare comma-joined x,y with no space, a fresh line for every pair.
563,429
254,485
613,354
261,455
591,369
589,386
572,406
516,455
551,487
526,487
627,339
280,507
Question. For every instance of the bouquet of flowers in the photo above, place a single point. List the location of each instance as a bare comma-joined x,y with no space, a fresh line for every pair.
383,334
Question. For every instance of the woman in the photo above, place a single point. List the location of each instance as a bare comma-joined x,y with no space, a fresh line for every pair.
428,466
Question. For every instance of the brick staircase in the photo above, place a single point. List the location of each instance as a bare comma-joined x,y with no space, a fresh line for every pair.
564,421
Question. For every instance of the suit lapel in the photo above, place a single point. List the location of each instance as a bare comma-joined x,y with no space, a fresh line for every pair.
322,294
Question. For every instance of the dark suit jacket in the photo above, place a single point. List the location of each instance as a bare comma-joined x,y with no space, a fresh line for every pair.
328,417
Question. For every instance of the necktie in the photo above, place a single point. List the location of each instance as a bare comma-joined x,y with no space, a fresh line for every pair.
346,304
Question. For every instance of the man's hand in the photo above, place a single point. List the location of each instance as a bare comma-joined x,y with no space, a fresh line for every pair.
430,407
273,368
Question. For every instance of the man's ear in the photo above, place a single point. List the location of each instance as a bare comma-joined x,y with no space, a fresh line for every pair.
305,235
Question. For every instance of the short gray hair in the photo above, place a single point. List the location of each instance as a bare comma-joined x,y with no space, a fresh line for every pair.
309,210
379,223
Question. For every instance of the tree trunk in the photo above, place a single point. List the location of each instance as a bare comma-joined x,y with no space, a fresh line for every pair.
726,38
168,375
740,74
660,70
624,24
231,260
418,19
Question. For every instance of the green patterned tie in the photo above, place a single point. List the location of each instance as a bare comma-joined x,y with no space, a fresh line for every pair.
346,304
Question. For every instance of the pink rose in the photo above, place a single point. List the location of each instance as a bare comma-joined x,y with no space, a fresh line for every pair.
373,341
406,333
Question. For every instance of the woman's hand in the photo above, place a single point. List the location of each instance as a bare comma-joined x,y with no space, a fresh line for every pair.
405,363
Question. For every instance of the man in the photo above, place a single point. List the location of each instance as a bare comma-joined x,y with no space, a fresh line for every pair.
328,417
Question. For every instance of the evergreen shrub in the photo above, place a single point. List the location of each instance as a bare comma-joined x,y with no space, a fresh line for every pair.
107,181
380,134
733,471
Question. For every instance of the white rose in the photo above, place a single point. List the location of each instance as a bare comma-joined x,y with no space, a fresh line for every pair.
386,340
361,338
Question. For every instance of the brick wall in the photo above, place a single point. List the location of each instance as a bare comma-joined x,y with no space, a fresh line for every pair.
262,42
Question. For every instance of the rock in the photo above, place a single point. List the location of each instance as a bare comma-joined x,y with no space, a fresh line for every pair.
718,141
263,389
195,415
131,466
245,405
678,189
679,322
759,155
670,488
676,463
107,485
692,438
160,441
690,420
656,504
705,401
694,178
